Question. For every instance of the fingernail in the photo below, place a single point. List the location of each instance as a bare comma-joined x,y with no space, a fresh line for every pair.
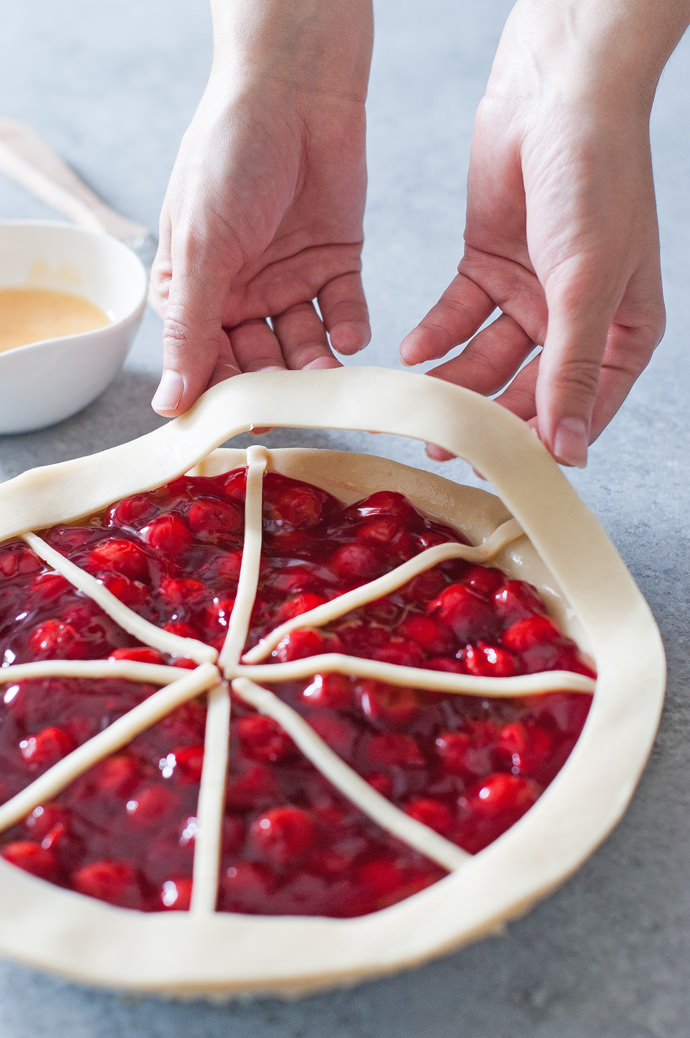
570,442
169,393
350,338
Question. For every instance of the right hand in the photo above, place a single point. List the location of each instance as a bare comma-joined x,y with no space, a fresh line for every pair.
262,221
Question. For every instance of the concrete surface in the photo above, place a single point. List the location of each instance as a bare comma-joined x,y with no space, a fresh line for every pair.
112,87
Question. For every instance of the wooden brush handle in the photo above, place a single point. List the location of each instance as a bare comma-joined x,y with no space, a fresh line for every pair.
30,162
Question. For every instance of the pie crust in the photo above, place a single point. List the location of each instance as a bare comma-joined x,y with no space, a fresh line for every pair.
546,535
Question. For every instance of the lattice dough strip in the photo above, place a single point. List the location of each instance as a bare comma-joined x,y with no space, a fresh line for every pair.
108,741
377,808
247,673
384,585
211,802
130,621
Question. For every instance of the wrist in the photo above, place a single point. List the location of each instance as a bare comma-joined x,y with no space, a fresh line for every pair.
609,53
312,46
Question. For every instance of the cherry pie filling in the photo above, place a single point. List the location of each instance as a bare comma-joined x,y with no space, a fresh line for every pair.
328,762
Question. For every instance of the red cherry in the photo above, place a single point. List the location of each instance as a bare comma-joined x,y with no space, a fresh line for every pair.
176,894
537,640
433,635
119,556
430,538
152,803
382,877
301,506
306,641
233,834
301,603
484,580
250,783
470,752
131,511
356,562
391,748
227,567
431,812
48,587
168,535
338,732
49,824
68,539
489,661
382,782
216,618
491,806
328,690
234,485
445,663
501,795
55,639
469,616
384,502
262,739
245,887
18,559
46,748
515,600
180,628
379,531
113,881
284,835
132,592
562,712
400,652
292,580
424,587
176,591
189,762
117,775
137,653
31,857
213,518
523,749
392,703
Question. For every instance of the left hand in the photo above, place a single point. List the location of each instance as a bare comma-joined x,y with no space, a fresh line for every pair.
561,236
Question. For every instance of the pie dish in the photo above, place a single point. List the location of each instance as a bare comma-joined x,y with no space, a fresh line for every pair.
327,725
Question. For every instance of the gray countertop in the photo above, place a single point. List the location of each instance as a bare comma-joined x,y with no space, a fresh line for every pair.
112,87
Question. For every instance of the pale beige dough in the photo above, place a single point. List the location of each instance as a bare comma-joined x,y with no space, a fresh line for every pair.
563,550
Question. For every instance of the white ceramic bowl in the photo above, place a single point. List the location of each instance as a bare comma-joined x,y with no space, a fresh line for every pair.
46,381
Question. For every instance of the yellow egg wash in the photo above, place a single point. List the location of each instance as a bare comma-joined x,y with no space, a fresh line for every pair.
34,314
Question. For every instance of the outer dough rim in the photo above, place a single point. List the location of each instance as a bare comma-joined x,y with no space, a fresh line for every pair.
176,953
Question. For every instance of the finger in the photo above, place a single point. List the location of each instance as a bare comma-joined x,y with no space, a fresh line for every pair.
256,346
193,335
460,311
226,364
345,313
490,359
627,354
302,338
519,395
161,269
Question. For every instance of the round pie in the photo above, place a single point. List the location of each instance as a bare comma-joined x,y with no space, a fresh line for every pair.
274,721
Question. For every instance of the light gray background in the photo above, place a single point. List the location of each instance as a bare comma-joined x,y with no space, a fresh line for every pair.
112,87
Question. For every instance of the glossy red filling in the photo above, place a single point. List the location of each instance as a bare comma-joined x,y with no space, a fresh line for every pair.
124,831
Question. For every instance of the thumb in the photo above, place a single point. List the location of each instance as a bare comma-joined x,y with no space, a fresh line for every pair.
193,336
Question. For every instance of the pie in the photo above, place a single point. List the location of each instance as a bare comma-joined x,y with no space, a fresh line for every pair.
277,720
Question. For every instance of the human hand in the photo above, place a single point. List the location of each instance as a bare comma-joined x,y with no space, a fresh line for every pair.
263,214
561,233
